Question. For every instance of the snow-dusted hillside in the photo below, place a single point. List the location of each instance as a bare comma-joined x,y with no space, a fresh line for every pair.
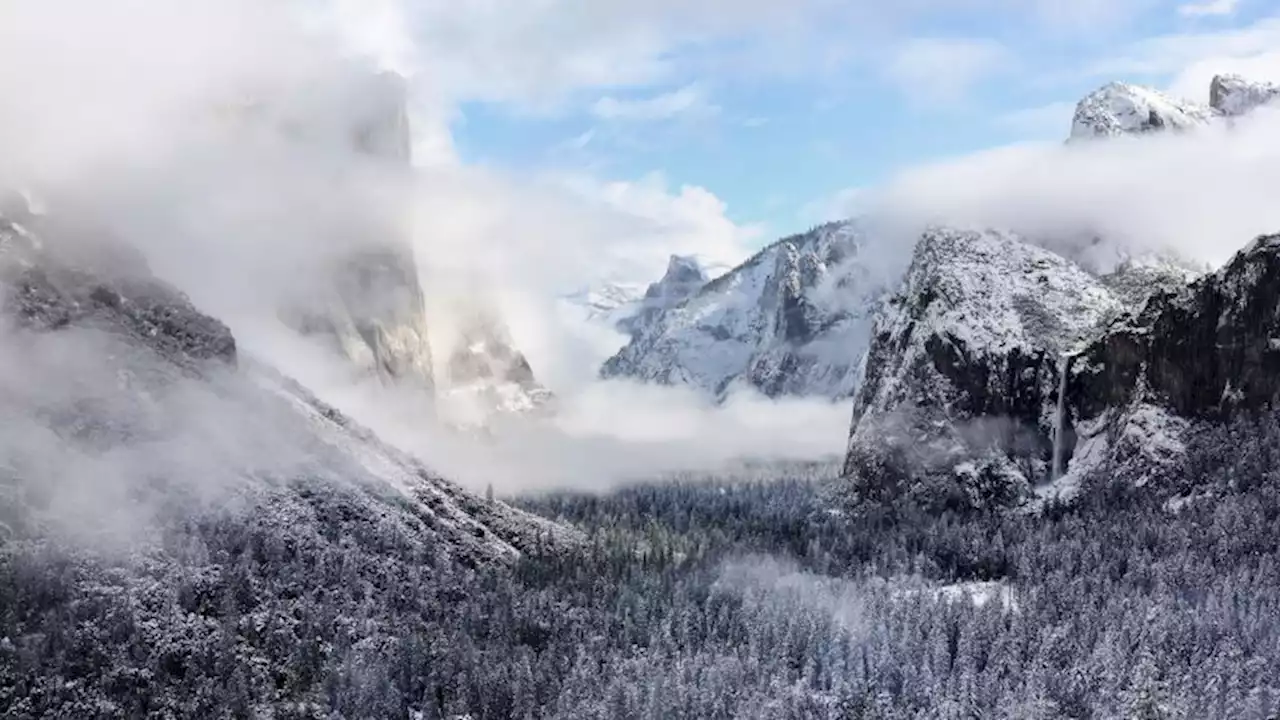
128,403
791,320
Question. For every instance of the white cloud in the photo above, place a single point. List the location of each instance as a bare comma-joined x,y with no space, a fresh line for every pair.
1202,195
1209,8
526,243
943,70
685,101
1169,54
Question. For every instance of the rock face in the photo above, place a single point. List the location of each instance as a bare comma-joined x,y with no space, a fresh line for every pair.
1232,95
791,320
373,310
957,409
1202,354
684,278
1123,109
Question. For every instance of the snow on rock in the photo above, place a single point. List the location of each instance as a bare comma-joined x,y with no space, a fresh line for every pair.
684,277
1122,109
957,408
791,320
1233,95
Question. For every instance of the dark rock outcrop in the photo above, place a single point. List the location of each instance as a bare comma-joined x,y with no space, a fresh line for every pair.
1199,356
958,405
57,279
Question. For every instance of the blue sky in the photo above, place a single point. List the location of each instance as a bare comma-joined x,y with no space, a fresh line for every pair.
777,111
774,148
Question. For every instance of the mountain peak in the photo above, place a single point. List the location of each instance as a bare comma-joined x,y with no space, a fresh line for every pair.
1119,108
684,276
1234,95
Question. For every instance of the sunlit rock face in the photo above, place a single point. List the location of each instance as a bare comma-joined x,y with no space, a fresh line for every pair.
791,320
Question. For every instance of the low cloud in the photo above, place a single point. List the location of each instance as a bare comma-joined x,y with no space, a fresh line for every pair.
219,144
1202,195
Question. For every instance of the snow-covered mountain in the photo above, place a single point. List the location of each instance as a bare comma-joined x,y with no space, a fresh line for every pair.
791,320
626,307
999,371
486,375
684,277
1123,109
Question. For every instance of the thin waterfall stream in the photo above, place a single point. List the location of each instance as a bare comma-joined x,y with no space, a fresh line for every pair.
1059,420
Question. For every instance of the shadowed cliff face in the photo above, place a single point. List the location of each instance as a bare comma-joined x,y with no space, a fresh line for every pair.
957,407
954,416
1207,352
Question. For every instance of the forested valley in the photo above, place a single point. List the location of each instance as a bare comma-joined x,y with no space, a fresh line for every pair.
752,595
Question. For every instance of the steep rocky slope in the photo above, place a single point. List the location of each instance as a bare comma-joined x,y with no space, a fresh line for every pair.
371,310
957,408
789,321
371,306
1204,354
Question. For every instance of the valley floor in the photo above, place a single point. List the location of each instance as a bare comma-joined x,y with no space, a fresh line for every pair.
696,597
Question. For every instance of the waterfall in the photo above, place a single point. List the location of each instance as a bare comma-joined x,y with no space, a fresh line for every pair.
1060,417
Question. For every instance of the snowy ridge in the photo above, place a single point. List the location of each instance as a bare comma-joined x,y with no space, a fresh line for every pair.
791,320
1123,109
